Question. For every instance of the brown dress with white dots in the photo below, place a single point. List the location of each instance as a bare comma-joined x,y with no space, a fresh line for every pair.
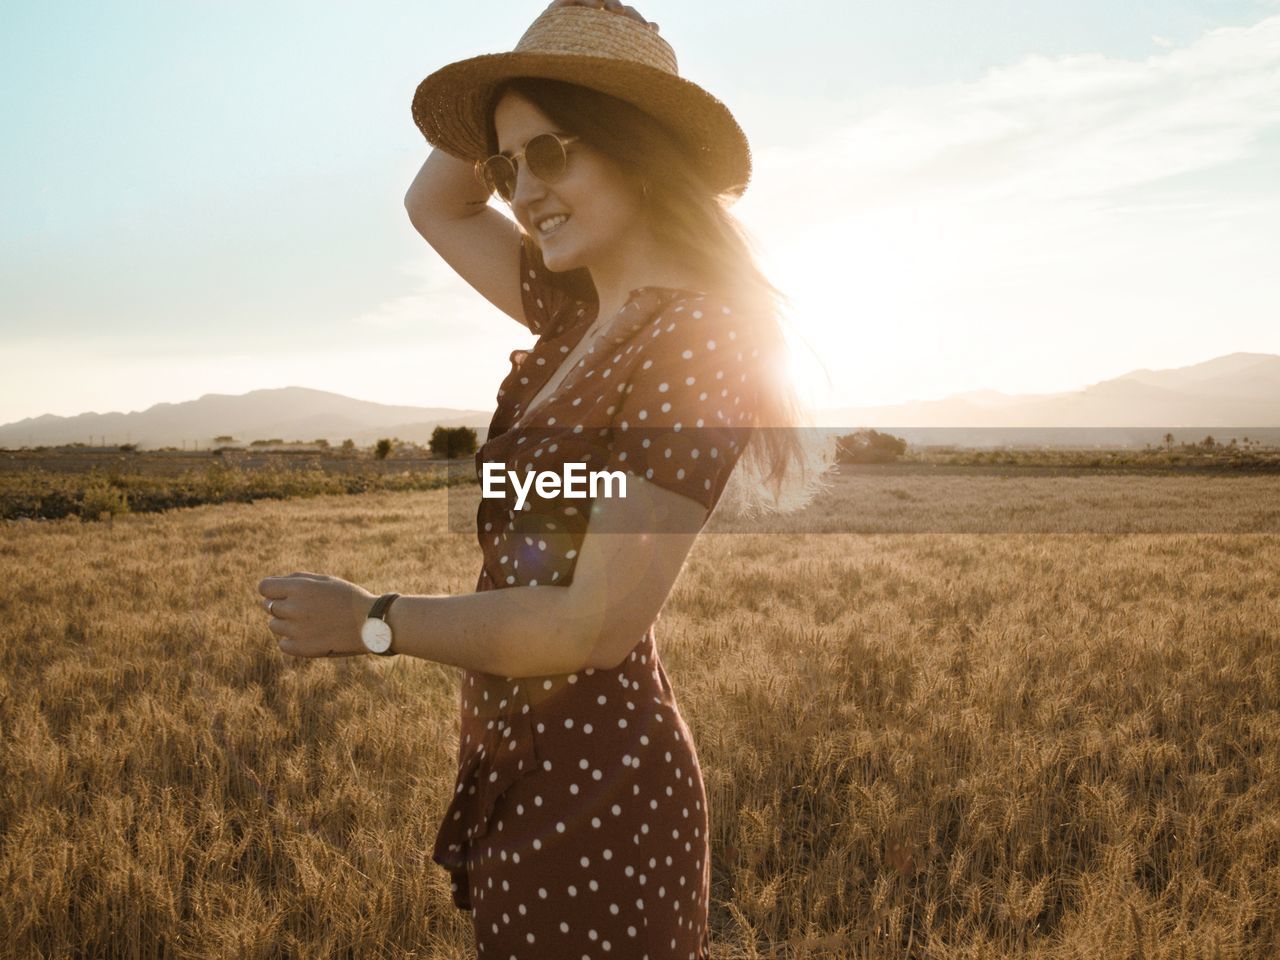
578,823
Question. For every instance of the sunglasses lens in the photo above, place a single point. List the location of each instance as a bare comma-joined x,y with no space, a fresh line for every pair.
499,176
544,154
546,157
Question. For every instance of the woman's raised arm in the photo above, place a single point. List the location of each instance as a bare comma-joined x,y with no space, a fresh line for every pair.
449,207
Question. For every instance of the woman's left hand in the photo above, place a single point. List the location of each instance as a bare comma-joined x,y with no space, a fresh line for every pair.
315,615
616,6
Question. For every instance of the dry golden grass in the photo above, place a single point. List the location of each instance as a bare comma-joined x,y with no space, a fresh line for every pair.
934,745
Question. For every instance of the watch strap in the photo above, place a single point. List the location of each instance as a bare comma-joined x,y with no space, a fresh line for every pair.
381,605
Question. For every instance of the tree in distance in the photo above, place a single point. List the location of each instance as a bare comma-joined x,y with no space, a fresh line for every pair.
869,446
453,442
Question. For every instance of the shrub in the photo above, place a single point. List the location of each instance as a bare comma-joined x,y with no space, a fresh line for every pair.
103,498
869,446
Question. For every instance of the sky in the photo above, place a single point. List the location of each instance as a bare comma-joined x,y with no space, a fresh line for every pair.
1018,195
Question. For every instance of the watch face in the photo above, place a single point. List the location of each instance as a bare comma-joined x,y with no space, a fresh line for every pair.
376,635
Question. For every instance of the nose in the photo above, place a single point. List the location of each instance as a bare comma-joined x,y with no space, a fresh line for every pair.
529,188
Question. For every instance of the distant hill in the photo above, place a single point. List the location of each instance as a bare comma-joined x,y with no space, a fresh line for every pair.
290,413
1239,390
1236,392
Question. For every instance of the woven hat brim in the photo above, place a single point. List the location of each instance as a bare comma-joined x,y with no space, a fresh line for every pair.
450,105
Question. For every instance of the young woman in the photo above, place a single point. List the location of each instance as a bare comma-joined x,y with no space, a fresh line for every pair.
578,825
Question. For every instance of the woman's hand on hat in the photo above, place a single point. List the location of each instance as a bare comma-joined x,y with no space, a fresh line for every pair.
614,5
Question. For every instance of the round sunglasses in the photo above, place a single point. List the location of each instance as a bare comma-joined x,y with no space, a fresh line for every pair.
545,155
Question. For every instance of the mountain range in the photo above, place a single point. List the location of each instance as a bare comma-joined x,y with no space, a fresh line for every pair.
1238,391
287,413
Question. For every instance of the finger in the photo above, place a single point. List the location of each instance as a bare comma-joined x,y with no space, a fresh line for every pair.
273,588
275,607
281,586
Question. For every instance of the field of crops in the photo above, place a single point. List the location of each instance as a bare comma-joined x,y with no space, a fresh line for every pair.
92,486
939,715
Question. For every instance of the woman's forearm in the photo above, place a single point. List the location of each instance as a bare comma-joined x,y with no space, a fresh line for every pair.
513,632
445,188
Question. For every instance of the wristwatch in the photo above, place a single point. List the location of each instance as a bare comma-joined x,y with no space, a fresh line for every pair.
375,632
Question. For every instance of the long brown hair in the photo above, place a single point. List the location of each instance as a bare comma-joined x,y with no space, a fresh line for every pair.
692,219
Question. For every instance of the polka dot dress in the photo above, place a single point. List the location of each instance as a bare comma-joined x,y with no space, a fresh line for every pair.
578,822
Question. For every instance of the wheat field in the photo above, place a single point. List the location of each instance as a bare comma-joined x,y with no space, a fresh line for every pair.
926,742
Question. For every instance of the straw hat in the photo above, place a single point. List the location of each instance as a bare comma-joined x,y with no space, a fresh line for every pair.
606,51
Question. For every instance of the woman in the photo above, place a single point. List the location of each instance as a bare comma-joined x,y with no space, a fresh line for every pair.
578,824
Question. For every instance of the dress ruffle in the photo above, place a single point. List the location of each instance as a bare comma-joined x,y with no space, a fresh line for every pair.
507,751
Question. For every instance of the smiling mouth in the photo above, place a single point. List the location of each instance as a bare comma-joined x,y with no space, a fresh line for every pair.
552,224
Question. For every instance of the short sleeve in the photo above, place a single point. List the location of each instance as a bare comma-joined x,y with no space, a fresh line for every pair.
546,301
688,408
